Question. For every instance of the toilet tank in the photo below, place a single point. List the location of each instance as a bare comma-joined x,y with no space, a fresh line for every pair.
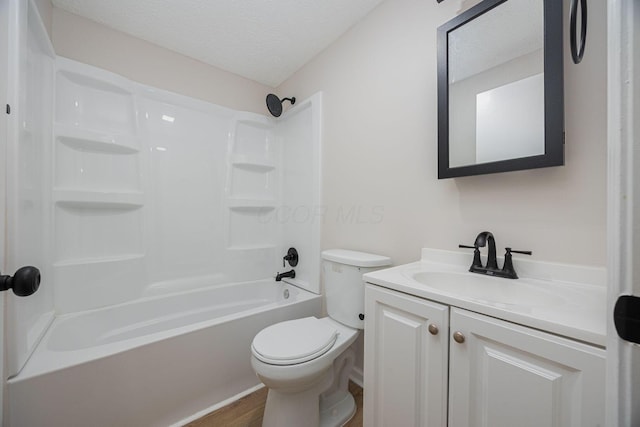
343,284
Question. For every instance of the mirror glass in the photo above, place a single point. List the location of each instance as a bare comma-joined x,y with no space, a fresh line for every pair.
492,66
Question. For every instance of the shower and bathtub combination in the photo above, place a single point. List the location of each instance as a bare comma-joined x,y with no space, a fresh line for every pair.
158,222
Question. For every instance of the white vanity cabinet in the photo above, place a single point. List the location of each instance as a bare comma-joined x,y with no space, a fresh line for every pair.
504,375
489,372
406,359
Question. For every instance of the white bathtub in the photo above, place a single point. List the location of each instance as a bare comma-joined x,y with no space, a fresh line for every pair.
154,362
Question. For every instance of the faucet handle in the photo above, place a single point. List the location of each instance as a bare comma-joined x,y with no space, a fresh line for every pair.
507,268
509,251
477,262
291,257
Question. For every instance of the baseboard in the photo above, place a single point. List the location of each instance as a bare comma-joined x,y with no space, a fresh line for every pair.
217,406
357,376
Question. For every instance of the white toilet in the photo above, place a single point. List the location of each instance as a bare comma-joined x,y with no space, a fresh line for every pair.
306,363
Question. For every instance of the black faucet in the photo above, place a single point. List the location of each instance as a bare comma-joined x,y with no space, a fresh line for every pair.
484,238
491,268
291,274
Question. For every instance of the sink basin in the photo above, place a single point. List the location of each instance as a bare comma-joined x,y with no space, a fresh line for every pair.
487,289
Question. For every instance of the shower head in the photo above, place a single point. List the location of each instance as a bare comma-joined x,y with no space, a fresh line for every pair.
274,104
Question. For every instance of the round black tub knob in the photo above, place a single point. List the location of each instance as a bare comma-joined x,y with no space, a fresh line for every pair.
291,257
23,283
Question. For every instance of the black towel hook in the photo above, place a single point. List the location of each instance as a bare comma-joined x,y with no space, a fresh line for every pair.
578,53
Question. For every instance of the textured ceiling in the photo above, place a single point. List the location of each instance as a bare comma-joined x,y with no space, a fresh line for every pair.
510,30
263,40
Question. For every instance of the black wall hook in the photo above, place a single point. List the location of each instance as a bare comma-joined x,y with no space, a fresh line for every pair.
578,52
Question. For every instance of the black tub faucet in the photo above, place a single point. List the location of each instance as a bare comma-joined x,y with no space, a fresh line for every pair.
290,274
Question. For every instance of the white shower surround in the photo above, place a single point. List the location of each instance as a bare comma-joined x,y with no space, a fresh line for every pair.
159,192
177,209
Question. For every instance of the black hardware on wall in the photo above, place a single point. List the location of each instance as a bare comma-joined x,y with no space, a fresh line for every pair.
578,52
291,257
23,283
274,104
626,318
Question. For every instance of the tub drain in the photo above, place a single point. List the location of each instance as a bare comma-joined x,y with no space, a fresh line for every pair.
286,294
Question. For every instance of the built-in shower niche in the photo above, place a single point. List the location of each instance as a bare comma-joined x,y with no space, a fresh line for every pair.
97,189
254,142
87,230
93,104
253,185
252,161
96,144
99,250
251,181
94,165
253,194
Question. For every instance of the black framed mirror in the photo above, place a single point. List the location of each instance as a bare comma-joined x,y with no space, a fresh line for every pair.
500,88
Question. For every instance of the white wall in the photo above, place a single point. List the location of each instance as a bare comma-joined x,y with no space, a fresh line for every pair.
380,185
86,41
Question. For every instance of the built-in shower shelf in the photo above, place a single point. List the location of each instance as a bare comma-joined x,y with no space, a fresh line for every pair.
95,141
98,199
254,166
98,260
241,204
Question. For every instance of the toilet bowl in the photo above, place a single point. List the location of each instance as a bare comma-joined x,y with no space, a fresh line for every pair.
306,362
295,385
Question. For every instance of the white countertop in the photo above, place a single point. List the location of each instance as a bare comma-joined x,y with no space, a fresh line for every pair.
577,294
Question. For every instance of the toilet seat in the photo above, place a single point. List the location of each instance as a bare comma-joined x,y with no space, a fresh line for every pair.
294,341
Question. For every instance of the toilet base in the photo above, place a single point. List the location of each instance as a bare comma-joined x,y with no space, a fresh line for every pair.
339,412
295,409
327,403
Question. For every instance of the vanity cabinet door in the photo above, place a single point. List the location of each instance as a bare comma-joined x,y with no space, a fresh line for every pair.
405,360
505,375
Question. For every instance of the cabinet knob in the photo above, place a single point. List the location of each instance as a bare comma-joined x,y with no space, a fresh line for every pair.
433,329
458,337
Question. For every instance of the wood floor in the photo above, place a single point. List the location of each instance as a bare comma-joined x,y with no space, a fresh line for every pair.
247,412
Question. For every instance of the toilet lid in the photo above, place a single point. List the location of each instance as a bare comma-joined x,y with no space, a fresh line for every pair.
294,341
